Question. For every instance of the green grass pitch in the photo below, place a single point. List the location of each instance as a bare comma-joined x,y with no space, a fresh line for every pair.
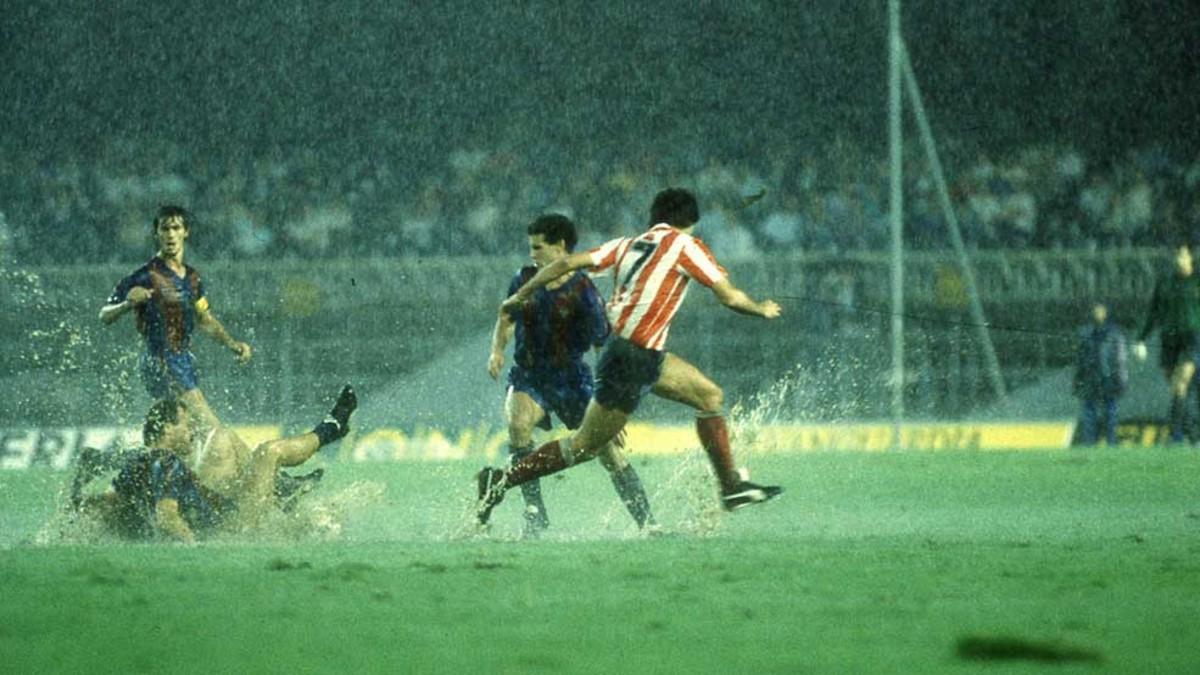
911,562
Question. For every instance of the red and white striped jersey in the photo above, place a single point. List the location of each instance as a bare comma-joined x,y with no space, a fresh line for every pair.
650,277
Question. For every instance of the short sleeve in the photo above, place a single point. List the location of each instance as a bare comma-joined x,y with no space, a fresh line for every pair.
122,290
607,254
698,263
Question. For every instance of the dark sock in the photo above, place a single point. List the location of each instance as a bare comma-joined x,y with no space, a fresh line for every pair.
1176,419
544,461
327,432
633,495
531,491
337,423
714,436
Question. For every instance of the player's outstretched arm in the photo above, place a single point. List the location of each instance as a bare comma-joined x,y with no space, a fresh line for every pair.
737,300
214,329
169,521
115,310
544,276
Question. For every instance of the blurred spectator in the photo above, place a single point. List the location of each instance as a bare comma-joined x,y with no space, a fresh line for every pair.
314,202
725,236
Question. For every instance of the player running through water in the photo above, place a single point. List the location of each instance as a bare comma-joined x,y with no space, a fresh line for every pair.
1175,309
168,301
553,331
651,273
155,494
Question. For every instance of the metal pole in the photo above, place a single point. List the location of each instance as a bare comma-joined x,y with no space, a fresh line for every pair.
976,307
896,146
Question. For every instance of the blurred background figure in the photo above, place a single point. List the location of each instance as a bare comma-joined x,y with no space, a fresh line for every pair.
1101,375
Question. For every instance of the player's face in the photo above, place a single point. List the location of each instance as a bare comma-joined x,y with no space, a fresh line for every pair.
171,234
542,253
1099,313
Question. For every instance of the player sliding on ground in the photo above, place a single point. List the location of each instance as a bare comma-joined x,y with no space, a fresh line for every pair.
650,275
156,495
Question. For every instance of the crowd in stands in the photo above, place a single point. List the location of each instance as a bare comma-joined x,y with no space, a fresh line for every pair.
299,203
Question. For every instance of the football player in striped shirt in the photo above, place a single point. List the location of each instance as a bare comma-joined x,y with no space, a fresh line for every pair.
651,273
553,331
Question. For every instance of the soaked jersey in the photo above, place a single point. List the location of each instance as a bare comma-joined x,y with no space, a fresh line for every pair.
650,277
557,327
167,320
148,477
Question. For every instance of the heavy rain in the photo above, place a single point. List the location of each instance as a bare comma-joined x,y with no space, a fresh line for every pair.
933,197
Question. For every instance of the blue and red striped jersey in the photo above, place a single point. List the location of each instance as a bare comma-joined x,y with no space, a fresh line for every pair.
557,327
167,320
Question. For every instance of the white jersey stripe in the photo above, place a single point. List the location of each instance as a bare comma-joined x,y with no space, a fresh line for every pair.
658,264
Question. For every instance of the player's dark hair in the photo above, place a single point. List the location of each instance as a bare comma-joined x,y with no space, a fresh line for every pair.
169,211
555,227
158,417
674,206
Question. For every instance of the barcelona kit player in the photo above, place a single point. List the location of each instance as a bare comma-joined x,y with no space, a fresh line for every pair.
157,494
166,322
553,332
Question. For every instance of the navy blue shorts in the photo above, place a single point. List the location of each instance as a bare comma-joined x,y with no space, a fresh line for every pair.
625,374
1177,348
169,375
564,392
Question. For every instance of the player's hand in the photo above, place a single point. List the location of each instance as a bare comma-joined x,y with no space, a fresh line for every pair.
495,363
769,309
242,351
1139,351
139,295
512,304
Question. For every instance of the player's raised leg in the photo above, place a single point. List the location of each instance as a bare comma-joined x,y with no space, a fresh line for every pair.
682,382
256,486
600,425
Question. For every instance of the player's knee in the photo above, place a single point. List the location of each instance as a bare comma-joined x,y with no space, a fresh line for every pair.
267,453
712,399
520,430
612,458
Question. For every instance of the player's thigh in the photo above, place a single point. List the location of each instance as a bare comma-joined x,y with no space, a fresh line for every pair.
600,425
198,408
522,413
682,382
257,479
1181,376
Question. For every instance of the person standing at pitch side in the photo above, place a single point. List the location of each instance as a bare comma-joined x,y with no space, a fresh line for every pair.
650,272
1175,310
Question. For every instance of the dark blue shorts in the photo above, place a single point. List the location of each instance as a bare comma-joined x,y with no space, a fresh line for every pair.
1177,348
625,374
169,375
564,392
